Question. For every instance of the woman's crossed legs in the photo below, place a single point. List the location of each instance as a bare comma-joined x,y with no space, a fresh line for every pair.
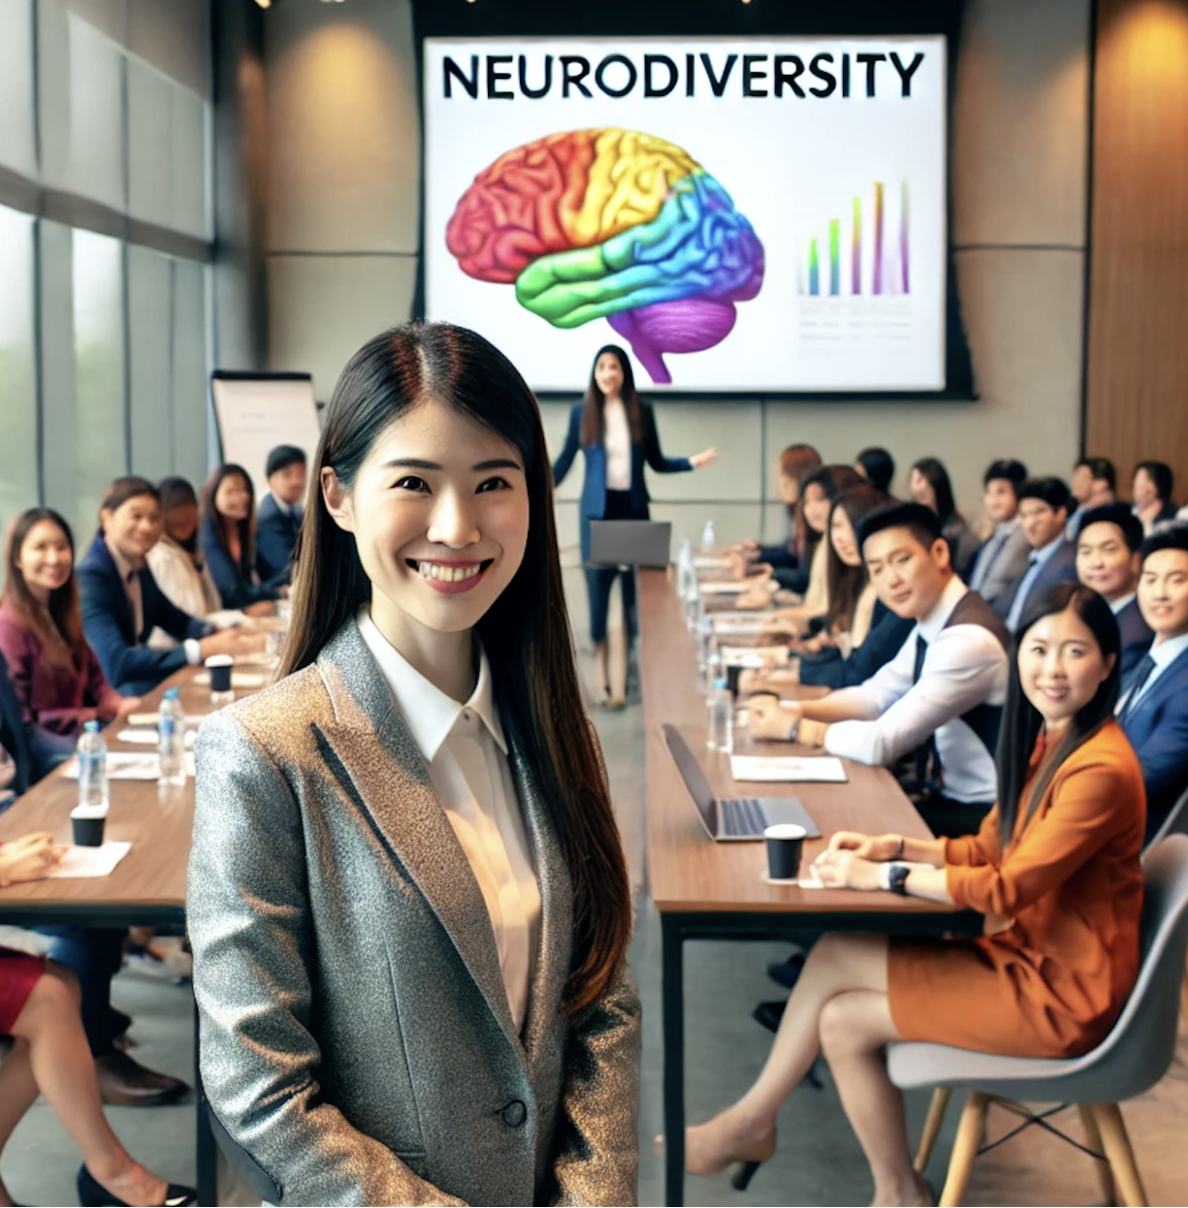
840,1007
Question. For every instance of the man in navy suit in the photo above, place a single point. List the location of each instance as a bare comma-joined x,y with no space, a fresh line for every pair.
122,604
16,760
279,519
1043,512
1153,707
1108,544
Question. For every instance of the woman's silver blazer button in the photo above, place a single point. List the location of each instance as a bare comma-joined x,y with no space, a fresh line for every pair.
514,1114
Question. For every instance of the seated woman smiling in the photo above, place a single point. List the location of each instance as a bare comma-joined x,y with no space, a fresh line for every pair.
1055,871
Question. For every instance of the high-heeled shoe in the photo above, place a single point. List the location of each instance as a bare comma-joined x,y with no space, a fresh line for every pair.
92,1193
748,1159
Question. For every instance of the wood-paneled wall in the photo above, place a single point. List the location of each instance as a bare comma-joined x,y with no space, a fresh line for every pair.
1138,294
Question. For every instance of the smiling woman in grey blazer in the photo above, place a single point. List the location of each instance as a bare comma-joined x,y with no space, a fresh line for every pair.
408,903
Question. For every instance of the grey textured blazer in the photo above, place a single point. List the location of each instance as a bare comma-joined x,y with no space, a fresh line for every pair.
356,1038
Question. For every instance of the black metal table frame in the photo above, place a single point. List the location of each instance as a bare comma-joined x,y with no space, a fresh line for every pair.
69,914
678,927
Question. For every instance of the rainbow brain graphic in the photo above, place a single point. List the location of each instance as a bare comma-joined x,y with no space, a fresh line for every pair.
616,225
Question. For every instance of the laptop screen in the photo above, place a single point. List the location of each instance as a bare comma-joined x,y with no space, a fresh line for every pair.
695,781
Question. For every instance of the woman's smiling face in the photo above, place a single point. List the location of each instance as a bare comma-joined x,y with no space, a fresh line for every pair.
440,512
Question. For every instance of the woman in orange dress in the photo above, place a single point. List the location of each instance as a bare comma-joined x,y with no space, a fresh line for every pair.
1055,871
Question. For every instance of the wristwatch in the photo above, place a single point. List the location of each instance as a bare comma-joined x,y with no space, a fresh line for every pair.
794,729
893,877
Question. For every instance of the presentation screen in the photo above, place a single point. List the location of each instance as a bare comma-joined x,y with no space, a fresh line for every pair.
743,214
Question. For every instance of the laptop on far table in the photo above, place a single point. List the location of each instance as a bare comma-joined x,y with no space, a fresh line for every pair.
733,819
630,542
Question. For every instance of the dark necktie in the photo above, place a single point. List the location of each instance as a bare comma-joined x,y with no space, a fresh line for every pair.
1138,678
928,764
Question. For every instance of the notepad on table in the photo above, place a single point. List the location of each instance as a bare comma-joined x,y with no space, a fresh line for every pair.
755,656
710,562
91,861
788,769
723,587
739,624
129,765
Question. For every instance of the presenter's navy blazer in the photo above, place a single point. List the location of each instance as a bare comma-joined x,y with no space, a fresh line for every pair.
593,504
1158,731
110,628
276,535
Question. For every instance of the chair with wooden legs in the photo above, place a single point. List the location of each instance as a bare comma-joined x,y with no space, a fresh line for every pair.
1132,1058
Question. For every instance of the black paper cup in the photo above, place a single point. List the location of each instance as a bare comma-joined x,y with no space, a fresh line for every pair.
88,829
220,672
784,844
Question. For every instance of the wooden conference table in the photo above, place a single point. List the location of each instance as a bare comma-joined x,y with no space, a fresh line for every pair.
148,887
705,890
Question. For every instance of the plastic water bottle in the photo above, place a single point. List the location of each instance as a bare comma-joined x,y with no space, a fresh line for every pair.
686,576
707,646
92,766
171,739
693,607
708,539
719,709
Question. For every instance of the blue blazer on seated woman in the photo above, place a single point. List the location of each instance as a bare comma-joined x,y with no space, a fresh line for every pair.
227,534
131,667
593,502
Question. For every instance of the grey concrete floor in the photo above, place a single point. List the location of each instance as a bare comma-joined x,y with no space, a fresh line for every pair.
818,1161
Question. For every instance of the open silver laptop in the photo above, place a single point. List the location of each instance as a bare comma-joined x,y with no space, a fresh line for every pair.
630,542
733,819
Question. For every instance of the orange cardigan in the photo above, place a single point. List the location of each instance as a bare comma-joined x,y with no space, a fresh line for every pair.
1069,891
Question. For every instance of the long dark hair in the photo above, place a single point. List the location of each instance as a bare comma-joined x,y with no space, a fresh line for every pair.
221,524
1022,721
938,478
174,492
592,425
61,615
846,583
1162,478
525,633
831,480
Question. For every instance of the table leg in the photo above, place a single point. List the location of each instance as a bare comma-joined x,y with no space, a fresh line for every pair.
205,1150
673,1013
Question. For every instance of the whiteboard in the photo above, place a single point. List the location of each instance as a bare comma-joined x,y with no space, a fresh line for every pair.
255,413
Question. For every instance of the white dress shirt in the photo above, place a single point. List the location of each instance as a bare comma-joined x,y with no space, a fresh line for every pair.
465,754
617,439
1120,603
1163,654
964,666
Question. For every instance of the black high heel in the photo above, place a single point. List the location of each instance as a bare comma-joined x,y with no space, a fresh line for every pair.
92,1193
744,1173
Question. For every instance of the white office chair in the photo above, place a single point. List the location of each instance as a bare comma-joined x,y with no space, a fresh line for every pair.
1132,1058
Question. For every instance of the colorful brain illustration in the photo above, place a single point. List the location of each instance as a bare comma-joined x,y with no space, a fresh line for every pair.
616,225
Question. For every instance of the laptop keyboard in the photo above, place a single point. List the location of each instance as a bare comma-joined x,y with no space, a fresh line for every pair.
742,816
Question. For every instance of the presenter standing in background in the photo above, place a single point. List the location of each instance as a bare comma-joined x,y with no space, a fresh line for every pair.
616,431
408,901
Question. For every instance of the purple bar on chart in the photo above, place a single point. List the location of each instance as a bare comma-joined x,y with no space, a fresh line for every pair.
877,283
903,238
856,249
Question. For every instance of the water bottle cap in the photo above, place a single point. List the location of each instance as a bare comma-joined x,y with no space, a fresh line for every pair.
91,727
719,681
171,693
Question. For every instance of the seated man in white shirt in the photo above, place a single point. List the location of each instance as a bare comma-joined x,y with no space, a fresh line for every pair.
1108,546
940,697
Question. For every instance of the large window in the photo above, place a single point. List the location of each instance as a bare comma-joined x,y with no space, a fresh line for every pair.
103,340
18,366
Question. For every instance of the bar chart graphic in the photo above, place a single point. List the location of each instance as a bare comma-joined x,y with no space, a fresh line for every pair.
880,270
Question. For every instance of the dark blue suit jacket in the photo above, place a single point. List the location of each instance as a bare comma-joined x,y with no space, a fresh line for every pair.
1158,731
110,628
593,504
1136,637
236,590
276,534
887,635
13,736
1061,567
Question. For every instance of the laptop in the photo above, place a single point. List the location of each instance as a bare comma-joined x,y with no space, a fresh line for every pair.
630,542
734,819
